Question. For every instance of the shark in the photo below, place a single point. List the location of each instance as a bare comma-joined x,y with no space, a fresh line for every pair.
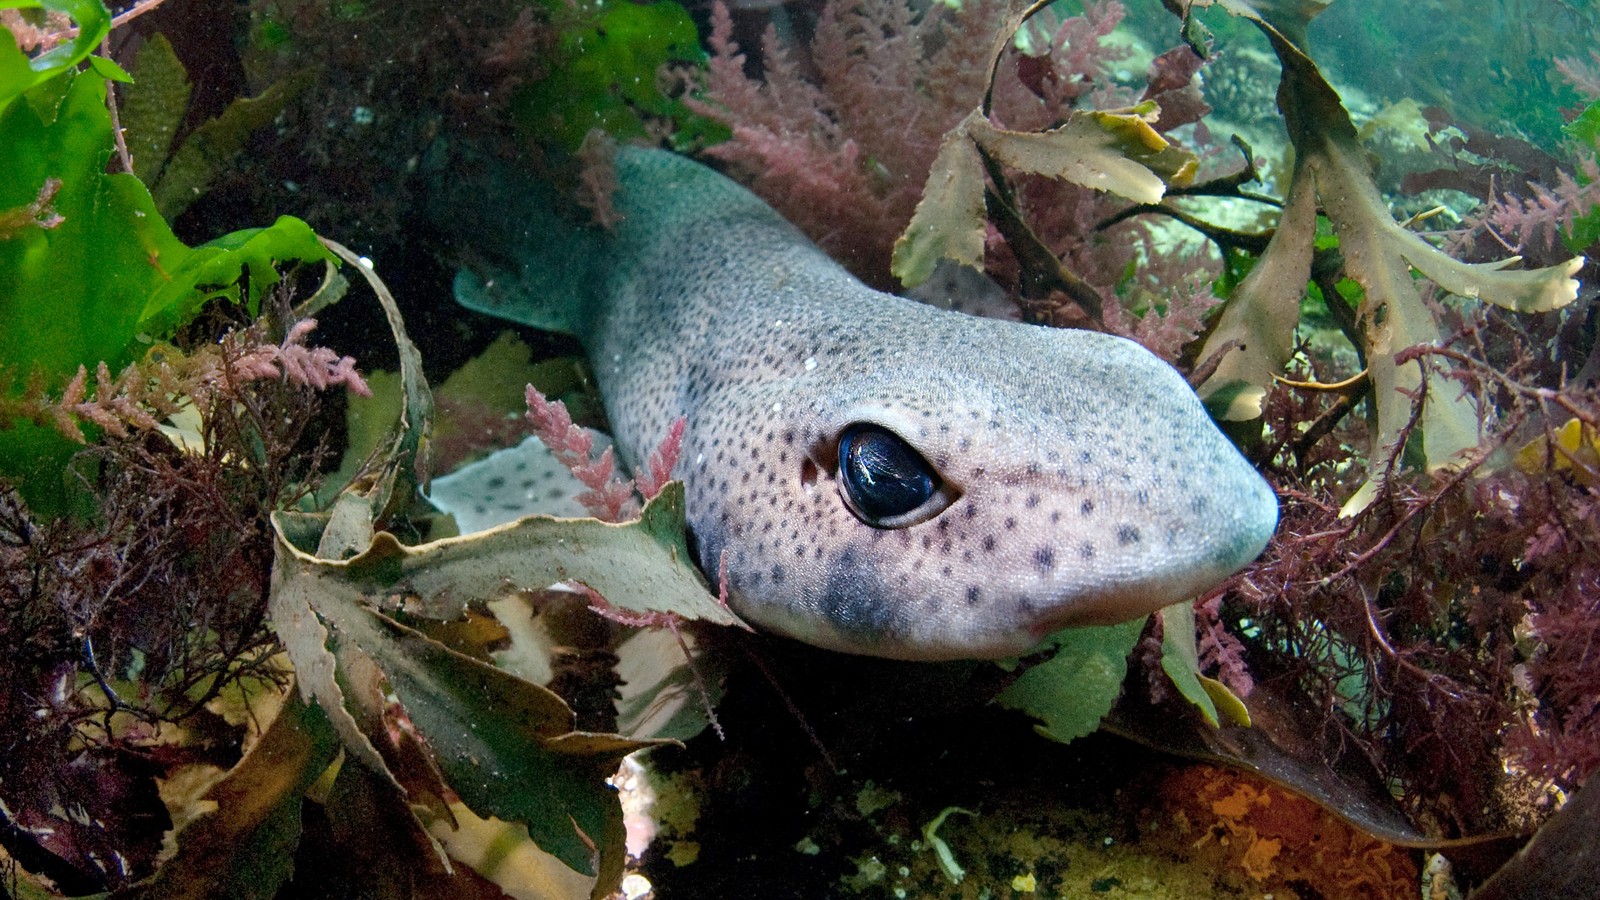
876,475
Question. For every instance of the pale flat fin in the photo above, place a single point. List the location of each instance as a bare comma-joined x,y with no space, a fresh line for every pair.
508,484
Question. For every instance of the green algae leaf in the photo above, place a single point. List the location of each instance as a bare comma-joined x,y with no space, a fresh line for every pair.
1585,129
1071,692
20,74
948,222
240,267
212,148
105,280
605,75
153,106
70,295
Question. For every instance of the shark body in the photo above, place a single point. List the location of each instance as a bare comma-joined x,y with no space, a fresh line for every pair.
1072,478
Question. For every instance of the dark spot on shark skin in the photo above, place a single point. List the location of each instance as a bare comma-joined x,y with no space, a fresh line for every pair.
850,603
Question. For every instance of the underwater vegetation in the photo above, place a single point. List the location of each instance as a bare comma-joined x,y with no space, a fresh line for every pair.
247,657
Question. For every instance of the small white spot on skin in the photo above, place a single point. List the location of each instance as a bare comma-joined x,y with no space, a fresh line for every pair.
700,459
777,407
811,363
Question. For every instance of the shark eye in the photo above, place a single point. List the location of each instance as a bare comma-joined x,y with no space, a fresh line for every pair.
885,481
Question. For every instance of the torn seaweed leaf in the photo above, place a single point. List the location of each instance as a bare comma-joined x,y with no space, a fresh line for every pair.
505,745
1116,152
641,566
1073,690
948,222
1113,152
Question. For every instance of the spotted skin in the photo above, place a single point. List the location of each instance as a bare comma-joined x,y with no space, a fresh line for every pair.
1091,487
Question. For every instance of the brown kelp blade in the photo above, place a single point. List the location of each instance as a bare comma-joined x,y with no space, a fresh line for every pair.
1280,746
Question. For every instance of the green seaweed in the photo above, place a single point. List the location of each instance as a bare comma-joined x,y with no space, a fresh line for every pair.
106,277
1585,132
20,73
1074,689
606,75
153,110
153,106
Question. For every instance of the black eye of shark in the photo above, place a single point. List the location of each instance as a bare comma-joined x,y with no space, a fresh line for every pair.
887,484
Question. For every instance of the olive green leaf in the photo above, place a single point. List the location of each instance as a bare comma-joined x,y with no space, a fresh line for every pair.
948,221
153,107
1072,691
212,147
504,744
1114,151
641,566
1256,326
